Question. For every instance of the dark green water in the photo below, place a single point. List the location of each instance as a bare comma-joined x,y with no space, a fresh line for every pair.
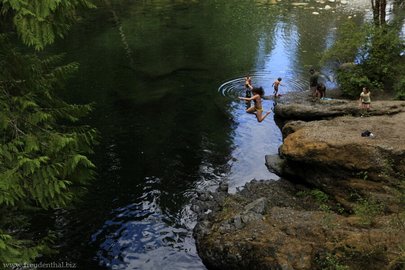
165,76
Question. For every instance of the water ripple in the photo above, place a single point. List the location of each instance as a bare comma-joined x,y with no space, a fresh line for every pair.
141,235
234,88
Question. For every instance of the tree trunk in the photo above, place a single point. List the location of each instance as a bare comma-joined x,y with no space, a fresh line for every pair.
379,11
383,13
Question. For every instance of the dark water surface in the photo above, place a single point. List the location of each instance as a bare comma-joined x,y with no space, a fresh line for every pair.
165,76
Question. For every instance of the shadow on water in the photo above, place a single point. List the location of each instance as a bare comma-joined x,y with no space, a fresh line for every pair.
171,124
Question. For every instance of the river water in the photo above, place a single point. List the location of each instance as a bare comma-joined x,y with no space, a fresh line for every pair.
165,77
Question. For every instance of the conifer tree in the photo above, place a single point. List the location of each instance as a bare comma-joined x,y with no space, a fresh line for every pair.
39,22
44,148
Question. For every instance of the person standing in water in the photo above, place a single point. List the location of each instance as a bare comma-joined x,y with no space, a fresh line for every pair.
248,87
257,107
248,82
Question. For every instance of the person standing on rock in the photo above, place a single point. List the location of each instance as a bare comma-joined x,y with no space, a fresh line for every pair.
320,90
365,99
275,85
313,81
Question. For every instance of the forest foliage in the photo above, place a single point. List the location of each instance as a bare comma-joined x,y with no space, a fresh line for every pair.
44,147
40,22
370,55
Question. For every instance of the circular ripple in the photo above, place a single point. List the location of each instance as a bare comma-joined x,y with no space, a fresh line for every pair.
236,87
232,88
291,82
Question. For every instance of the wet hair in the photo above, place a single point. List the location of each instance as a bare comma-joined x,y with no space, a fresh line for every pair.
311,70
258,90
279,79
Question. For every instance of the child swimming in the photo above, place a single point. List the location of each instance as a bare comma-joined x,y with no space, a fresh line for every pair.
257,107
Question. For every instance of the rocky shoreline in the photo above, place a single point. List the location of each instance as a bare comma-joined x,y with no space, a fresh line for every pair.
339,203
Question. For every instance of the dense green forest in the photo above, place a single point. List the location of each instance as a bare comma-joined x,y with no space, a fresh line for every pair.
44,150
371,55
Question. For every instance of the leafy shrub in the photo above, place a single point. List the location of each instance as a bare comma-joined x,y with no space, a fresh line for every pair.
352,81
367,56
399,89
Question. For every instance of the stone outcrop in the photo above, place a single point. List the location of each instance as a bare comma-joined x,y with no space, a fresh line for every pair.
326,109
340,202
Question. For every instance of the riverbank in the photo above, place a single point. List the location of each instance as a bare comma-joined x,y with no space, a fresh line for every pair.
340,202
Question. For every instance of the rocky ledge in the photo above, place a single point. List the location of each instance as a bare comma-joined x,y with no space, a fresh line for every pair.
339,204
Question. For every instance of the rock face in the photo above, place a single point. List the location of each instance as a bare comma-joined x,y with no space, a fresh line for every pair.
340,204
332,154
326,109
